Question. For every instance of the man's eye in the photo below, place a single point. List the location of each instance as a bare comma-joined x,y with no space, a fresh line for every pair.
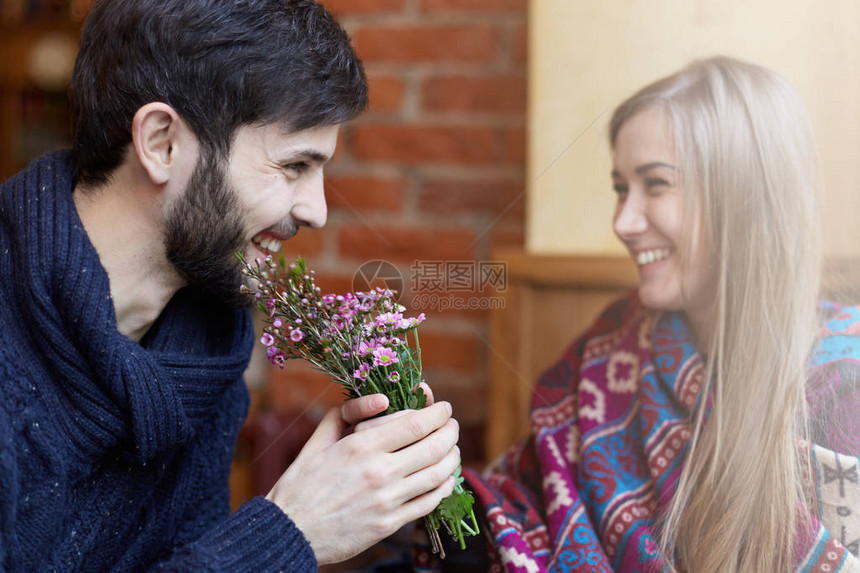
296,168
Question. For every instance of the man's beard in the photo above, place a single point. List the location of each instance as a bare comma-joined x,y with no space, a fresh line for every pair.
204,231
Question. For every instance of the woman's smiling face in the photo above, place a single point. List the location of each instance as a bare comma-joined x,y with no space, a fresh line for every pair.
676,271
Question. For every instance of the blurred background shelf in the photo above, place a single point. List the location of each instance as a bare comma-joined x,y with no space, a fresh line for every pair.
40,39
16,12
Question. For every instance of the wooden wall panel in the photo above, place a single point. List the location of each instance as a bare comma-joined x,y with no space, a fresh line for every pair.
549,301
586,57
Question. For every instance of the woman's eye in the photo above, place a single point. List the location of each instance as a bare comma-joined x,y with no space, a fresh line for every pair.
655,183
620,189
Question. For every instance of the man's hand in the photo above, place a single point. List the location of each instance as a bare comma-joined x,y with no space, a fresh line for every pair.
347,493
358,409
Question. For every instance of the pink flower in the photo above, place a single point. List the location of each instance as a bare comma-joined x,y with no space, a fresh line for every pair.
277,323
365,347
328,298
297,335
384,357
366,299
276,357
267,339
407,323
338,322
394,376
387,321
362,372
389,318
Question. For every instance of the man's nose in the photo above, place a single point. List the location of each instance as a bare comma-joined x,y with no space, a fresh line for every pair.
310,206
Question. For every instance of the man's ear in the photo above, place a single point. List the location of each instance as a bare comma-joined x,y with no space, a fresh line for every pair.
157,133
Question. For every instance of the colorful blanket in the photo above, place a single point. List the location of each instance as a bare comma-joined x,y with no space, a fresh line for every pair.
609,436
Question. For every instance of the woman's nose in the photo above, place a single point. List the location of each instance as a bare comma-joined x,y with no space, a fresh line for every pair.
630,219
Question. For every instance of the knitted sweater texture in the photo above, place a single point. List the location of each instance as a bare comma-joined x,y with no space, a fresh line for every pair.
114,455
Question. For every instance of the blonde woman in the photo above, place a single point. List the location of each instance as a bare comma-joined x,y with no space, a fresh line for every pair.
709,422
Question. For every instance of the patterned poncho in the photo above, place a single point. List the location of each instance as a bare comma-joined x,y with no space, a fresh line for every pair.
610,430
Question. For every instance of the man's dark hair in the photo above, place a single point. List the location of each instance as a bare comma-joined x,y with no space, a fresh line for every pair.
220,64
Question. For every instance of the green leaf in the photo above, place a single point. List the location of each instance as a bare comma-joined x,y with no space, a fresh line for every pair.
421,398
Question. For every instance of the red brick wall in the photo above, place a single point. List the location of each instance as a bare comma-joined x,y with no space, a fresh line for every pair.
434,172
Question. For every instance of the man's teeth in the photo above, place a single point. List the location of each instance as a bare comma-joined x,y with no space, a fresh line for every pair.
652,256
267,243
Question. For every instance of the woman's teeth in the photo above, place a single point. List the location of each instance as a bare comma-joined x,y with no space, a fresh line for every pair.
267,243
652,256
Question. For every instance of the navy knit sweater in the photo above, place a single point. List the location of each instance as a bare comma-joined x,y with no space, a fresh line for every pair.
115,455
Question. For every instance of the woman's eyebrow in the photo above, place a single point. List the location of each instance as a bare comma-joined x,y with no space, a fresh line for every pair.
653,165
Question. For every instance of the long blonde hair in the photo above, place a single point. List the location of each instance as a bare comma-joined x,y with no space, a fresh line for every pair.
748,161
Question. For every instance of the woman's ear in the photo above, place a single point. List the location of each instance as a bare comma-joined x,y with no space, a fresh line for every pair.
157,132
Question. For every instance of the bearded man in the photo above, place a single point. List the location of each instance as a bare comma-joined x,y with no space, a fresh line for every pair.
201,129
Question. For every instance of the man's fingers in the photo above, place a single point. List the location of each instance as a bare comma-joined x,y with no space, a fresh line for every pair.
427,392
358,409
376,422
359,412
423,504
428,478
329,431
402,431
428,451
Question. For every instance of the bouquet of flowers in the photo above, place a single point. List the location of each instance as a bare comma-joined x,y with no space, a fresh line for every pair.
364,343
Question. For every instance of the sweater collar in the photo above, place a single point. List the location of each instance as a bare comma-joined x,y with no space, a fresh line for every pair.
148,397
